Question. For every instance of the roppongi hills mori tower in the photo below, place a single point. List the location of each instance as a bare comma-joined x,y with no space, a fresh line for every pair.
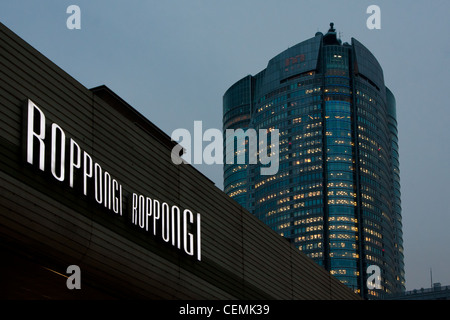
336,195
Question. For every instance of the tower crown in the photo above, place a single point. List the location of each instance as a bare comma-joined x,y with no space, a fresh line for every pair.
330,38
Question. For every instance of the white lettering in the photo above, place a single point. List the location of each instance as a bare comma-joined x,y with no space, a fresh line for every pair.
107,188
214,147
186,141
374,21
31,135
188,244
134,209
141,211
98,183
156,214
72,163
264,151
374,280
87,158
115,199
241,136
198,142
62,147
176,213
148,211
74,281
246,144
165,222
73,21
199,238
207,311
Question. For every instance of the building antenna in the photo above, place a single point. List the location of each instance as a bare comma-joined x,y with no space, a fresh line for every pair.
431,278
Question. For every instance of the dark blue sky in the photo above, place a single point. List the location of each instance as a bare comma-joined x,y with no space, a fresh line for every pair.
173,60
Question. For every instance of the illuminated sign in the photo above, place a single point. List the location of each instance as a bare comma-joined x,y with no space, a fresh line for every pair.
294,60
292,63
79,170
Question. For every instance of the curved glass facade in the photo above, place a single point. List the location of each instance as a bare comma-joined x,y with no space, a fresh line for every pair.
341,192
395,193
336,195
236,115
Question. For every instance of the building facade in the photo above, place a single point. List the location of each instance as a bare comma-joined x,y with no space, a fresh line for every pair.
86,181
336,195
436,292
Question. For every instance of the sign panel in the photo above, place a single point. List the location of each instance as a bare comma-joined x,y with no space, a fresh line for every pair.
51,150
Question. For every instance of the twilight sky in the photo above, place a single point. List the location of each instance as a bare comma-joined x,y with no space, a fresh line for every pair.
173,60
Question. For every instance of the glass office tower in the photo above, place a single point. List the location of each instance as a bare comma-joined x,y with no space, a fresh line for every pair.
336,195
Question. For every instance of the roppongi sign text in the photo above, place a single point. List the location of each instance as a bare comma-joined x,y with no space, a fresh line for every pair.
50,150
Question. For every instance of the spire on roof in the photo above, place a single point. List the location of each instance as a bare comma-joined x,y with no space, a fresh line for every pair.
331,37
332,27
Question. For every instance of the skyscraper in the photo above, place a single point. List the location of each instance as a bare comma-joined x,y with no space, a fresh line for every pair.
336,195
